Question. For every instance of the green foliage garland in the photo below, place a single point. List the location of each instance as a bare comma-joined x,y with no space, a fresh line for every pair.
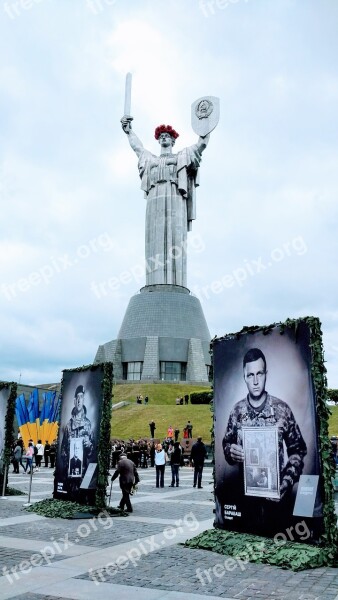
9,419
66,509
253,548
104,449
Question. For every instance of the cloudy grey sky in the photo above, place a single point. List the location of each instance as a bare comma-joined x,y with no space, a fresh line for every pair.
264,246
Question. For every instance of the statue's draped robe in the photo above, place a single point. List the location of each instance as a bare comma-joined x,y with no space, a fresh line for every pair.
169,185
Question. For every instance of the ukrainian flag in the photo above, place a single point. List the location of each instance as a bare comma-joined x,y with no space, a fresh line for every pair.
23,419
49,416
55,420
33,412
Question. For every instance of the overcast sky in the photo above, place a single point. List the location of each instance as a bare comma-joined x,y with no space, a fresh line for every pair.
264,246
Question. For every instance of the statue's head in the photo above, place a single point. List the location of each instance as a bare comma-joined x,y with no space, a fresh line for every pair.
166,135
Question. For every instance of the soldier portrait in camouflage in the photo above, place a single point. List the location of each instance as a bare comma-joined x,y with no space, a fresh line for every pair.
257,410
260,409
80,427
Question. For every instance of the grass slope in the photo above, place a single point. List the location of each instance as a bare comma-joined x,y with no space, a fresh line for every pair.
158,393
133,421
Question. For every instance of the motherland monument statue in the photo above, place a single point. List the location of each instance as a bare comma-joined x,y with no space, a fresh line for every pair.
164,335
169,182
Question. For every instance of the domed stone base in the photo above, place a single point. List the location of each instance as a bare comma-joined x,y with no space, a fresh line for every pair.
163,324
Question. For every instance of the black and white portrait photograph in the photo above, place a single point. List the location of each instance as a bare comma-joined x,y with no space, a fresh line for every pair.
265,428
79,429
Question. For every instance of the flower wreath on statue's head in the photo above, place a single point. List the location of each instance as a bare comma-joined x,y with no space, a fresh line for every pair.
166,129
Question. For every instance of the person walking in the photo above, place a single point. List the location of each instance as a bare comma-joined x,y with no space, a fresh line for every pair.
29,457
197,456
128,477
160,460
189,429
176,433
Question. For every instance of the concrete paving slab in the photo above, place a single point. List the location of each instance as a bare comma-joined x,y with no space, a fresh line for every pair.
84,590
27,518
37,545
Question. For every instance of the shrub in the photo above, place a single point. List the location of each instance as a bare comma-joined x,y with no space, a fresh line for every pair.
200,397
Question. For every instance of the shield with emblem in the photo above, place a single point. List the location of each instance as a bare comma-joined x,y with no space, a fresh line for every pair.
205,115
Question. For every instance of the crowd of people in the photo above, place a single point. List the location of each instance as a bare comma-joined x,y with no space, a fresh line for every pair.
32,455
127,456
173,432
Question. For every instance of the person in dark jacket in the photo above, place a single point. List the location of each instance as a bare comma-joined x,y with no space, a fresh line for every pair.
197,456
52,454
47,453
152,428
128,476
175,462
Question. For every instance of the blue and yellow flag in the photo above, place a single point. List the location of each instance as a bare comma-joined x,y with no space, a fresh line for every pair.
33,412
23,418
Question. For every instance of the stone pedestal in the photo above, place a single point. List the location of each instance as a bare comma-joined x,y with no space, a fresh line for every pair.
162,324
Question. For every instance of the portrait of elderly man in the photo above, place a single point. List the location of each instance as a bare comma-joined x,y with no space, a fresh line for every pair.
75,464
78,426
260,409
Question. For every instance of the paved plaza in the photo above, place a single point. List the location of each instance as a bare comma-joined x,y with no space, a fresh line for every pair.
140,556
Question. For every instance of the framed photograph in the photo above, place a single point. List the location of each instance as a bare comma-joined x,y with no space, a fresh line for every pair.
76,458
261,462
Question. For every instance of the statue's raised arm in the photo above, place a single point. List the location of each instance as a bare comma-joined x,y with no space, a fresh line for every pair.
134,141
